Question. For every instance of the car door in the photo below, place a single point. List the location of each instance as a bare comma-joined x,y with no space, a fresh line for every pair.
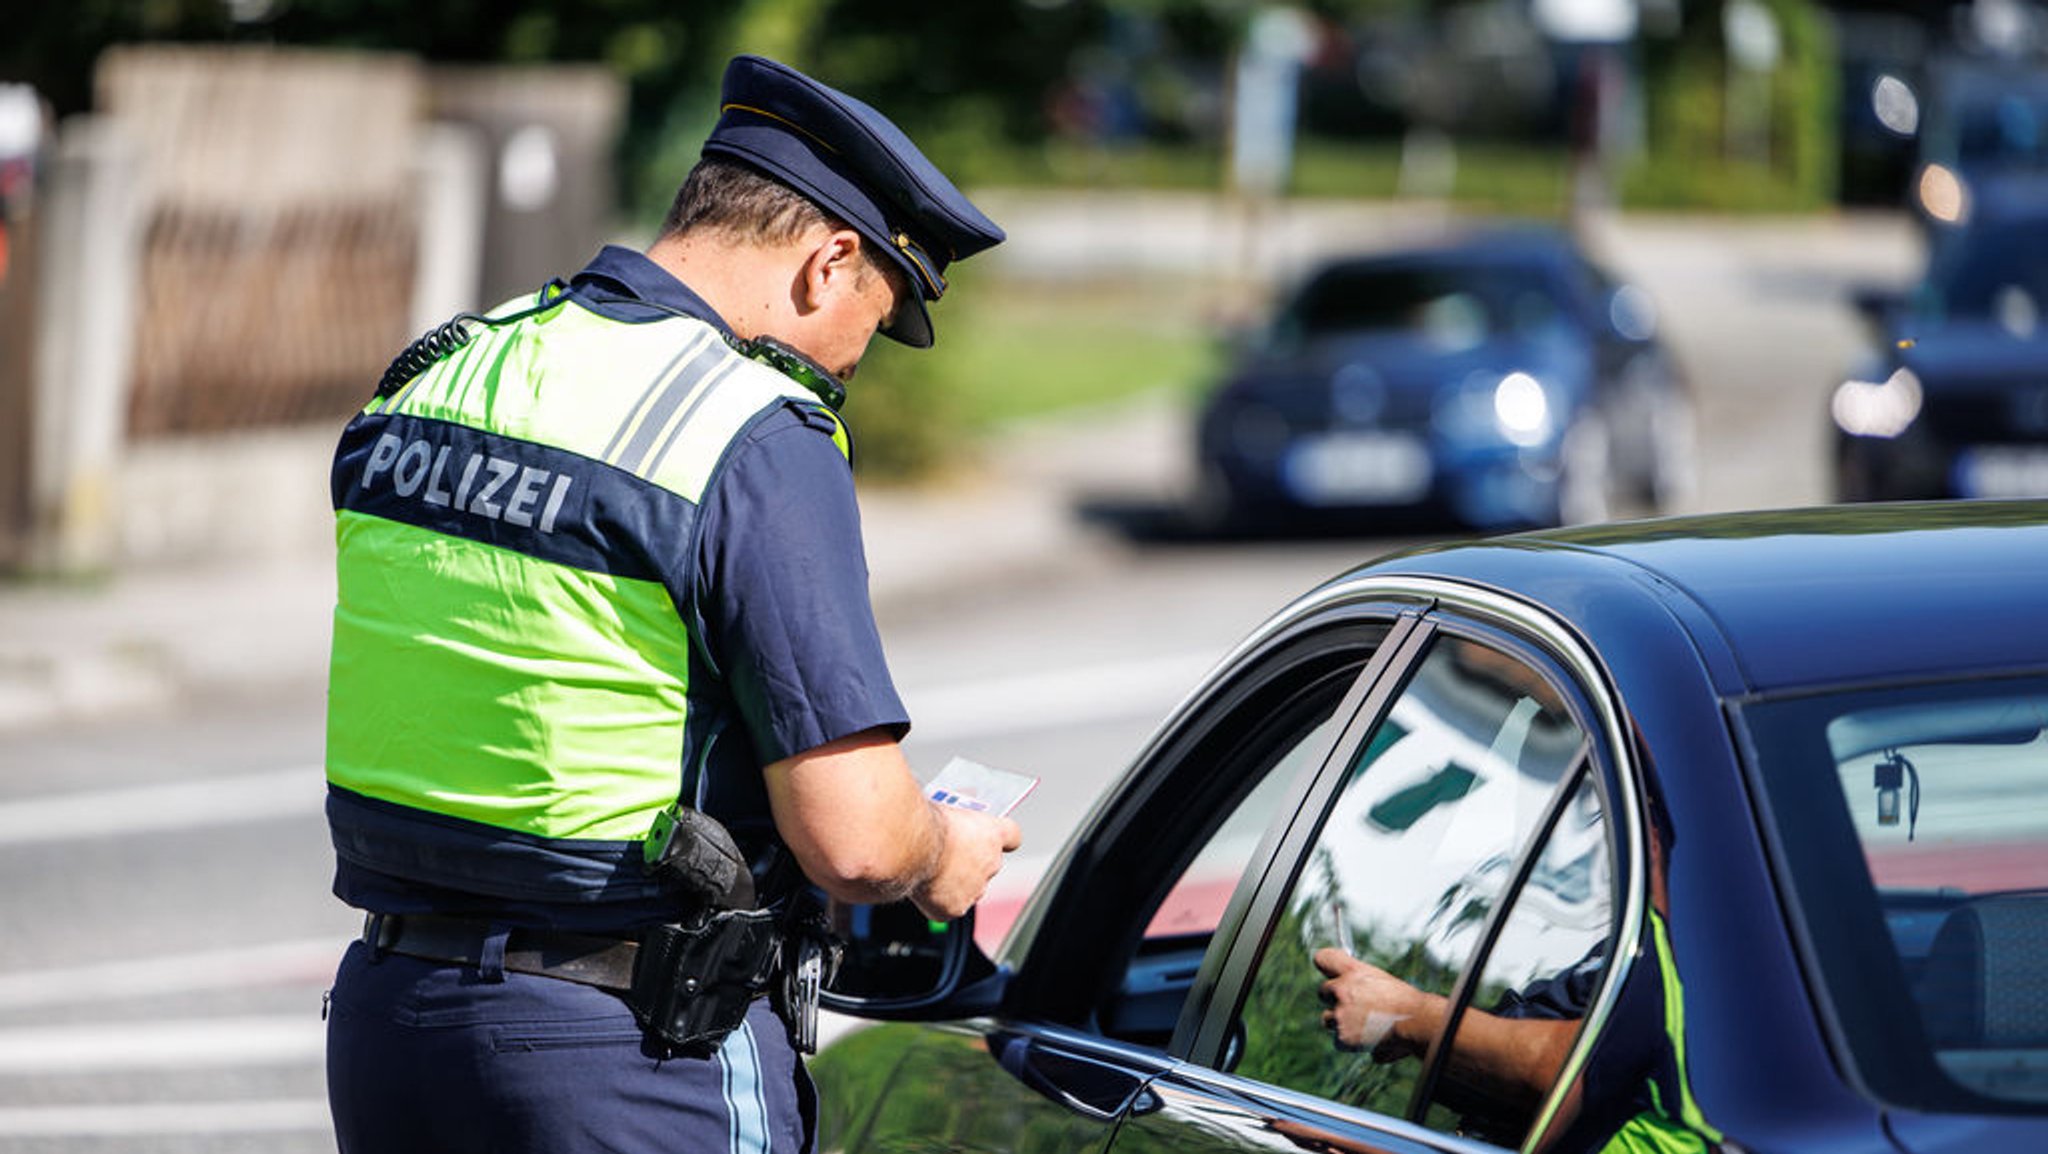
1122,927
1459,838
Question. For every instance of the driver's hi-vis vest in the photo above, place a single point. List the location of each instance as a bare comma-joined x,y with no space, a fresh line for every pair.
511,690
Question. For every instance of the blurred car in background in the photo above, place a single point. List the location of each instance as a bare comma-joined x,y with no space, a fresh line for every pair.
1953,399
1983,118
1501,379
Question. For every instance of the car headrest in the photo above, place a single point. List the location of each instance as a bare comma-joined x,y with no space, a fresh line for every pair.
1986,984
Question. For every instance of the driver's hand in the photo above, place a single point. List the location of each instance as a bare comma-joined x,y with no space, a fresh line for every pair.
1367,1008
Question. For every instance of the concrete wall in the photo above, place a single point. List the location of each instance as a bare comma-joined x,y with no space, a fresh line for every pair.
84,489
254,497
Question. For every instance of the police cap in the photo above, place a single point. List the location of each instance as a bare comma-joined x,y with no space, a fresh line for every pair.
853,163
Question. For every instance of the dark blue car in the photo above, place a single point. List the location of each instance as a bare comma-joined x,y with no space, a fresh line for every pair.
1985,118
1952,399
1719,833
1498,380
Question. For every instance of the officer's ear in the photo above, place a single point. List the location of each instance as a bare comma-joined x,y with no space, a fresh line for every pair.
832,266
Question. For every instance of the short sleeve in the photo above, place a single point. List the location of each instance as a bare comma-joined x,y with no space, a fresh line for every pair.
783,591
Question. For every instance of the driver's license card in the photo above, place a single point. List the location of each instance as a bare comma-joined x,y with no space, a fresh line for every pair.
972,785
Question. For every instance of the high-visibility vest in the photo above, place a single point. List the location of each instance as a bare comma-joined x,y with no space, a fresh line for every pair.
511,692
1668,1126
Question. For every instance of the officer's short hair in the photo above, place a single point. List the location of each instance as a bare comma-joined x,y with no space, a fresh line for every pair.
727,196
733,198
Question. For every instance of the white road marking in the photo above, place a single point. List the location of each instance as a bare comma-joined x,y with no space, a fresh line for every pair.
178,805
167,1044
1142,687
254,1116
309,961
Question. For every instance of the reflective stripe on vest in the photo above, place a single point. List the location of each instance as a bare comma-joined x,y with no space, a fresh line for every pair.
1660,1129
510,685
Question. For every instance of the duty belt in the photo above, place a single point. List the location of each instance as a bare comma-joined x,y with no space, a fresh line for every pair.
688,986
606,963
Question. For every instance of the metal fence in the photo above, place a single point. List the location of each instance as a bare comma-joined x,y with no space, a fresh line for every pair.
279,234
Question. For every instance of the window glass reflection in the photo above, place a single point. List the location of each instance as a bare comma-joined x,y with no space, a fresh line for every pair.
1414,855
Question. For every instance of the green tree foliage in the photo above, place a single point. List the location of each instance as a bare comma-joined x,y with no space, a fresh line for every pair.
1726,139
668,54
959,78
53,46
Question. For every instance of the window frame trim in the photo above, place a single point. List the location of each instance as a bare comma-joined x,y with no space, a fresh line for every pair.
1446,605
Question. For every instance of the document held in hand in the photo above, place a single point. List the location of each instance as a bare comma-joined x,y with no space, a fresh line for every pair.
972,785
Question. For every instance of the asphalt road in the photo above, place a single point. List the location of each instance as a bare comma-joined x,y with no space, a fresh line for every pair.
161,977
160,980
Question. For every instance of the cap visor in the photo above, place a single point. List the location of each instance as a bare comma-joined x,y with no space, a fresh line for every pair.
913,325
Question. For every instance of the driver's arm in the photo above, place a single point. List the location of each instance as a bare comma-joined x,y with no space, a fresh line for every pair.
1507,1060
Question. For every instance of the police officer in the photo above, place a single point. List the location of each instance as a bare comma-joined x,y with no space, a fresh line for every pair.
607,696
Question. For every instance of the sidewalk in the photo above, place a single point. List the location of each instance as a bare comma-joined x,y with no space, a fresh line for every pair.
154,637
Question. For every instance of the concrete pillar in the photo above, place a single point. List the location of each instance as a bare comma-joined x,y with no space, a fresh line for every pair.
18,313
451,170
552,132
90,246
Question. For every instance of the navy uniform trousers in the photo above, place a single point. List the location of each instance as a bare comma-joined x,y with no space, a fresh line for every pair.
424,1056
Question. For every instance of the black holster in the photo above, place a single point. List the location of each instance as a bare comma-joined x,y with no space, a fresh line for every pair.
693,982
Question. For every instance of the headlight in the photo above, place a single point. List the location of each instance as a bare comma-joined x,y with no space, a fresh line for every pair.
1896,104
1943,195
1521,410
1878,409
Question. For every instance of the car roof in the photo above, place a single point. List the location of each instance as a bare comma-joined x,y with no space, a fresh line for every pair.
1799,598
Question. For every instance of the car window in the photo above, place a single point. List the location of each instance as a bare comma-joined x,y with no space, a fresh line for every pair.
1912,824
1419,845
1281,734
1195,903
2003,131
1448,306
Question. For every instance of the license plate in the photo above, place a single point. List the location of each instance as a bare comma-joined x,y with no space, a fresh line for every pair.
2002,471
1358,469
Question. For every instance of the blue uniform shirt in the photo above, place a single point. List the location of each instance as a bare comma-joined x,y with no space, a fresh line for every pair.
786,635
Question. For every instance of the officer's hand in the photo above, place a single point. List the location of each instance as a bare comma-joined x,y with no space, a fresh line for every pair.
971,854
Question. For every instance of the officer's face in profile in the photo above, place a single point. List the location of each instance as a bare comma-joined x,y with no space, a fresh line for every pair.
881,296
847,299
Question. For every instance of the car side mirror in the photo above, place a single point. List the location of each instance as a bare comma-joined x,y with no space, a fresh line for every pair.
899,964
